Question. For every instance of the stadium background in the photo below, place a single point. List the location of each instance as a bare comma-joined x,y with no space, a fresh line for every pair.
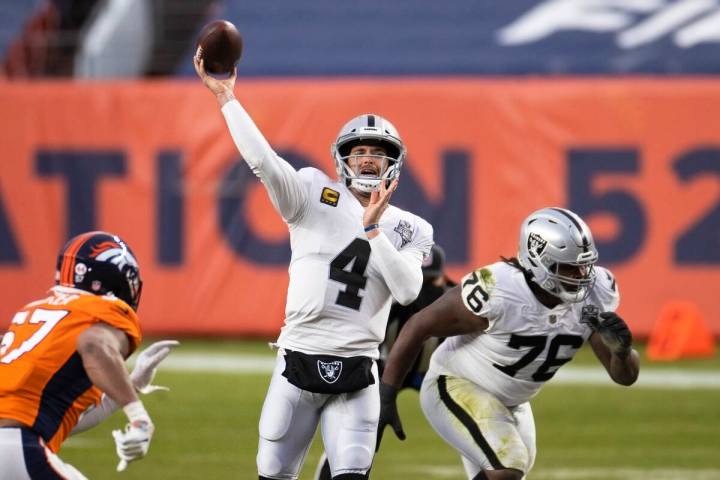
605,107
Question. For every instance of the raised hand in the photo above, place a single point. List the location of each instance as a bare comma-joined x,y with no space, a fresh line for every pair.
222,88
612,329
147,363
379,201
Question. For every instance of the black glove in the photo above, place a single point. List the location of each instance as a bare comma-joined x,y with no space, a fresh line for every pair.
388,413
612,329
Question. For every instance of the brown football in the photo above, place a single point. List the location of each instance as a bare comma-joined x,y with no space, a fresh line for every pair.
221,45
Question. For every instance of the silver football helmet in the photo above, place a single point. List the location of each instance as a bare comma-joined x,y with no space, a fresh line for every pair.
557,247
369,129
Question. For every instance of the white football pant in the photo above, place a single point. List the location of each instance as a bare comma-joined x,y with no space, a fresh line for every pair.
289,418
487,434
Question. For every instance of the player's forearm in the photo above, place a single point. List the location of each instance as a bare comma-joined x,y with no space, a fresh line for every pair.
624,370
402,274
106,369
95,415
403,354
224,97
248,139
280,179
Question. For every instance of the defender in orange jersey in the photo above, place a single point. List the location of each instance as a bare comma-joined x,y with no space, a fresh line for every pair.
61,353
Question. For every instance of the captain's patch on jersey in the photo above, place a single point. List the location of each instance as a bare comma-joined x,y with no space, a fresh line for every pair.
329,197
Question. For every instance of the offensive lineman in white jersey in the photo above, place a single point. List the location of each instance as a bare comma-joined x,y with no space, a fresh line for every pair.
511,326
352,253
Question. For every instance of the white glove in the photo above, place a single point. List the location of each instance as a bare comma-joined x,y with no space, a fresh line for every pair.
132,443
147,363
141,376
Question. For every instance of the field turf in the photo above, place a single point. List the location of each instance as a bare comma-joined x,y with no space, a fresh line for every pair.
207,429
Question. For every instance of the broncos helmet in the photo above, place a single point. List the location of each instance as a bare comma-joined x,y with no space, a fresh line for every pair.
557,247
368,129
100,263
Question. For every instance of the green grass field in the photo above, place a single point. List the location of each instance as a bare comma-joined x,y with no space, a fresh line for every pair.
207,429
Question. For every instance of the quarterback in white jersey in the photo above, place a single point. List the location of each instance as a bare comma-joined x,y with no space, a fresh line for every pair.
352,253
511,326
338,298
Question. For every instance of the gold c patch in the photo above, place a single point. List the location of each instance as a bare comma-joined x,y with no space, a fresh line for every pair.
329,197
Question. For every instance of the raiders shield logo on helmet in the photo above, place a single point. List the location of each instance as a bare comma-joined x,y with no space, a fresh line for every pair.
536,244
330,371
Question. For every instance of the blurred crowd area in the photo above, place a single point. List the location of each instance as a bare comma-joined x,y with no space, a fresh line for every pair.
98,38
150,38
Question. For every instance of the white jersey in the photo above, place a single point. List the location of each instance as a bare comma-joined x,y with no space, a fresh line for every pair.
341,283
338,302
525,342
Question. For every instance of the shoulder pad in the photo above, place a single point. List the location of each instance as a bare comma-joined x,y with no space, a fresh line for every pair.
606,290
308,174
477,287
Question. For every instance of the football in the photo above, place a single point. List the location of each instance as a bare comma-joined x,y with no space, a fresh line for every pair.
221,45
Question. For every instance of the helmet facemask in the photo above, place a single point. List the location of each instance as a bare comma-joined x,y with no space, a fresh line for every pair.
570,282
366,178
372,131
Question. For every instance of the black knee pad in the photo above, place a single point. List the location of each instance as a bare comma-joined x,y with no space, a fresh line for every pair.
352,476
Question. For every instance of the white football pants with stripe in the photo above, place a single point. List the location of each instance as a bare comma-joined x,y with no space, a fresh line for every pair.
487,434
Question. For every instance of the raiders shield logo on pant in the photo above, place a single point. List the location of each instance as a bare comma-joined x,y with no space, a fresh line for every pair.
329,371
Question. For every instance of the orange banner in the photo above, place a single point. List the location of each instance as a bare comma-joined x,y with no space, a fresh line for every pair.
154,163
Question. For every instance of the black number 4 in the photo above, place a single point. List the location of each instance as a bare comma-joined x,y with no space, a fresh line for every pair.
537,345
354,278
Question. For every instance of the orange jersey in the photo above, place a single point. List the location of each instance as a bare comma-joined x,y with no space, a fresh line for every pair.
43,383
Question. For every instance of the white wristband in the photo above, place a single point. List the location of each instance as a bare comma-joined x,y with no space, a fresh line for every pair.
135,411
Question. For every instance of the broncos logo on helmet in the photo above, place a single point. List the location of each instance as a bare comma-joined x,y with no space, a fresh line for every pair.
100,263
115,253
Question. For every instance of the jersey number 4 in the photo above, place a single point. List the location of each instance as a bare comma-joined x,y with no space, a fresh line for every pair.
537,346
357,253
